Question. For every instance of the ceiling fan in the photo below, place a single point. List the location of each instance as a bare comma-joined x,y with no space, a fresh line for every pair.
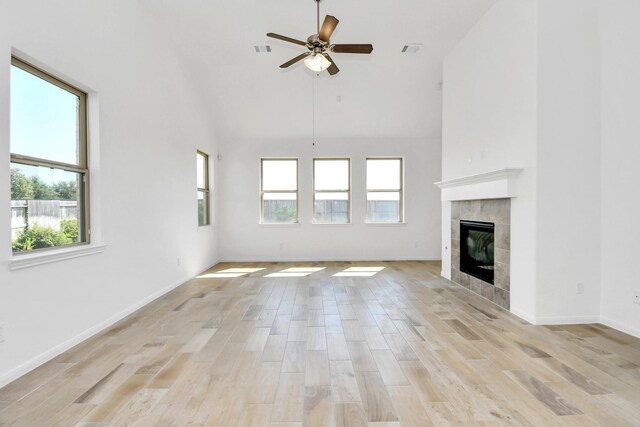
319,45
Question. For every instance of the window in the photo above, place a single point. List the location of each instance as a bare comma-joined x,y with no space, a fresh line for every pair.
279,190
331,191
49,174
384,190
203,188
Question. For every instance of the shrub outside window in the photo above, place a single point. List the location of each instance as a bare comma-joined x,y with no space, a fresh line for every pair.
331,191
202,167
49,171
279,191
384,190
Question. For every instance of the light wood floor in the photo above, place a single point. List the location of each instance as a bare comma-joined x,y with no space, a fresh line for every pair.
400,348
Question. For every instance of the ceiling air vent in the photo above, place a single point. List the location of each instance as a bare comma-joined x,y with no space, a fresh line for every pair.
411,48
262,49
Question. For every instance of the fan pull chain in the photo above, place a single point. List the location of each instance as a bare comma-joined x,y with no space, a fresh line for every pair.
313,111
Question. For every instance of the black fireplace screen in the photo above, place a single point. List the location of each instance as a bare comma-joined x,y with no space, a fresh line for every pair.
476,249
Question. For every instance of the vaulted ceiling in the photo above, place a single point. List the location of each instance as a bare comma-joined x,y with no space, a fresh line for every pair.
388,94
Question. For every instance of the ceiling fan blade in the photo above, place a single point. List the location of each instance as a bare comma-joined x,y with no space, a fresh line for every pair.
294,60
352,48
286,39
328,26
333,68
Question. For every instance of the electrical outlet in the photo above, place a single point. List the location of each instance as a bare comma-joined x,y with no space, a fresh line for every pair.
580,288
636,297
1,332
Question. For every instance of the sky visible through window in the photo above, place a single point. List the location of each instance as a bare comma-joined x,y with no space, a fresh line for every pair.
44,123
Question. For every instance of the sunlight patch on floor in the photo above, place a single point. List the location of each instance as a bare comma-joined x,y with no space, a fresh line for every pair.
359,272
219,275
296,272
240,270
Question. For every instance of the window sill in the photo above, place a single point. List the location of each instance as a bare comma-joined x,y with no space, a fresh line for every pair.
385,224
19,262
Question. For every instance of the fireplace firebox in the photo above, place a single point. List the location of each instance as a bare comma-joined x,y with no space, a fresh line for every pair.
477,249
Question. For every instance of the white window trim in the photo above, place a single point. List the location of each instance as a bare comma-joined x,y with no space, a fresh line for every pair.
263,192
47,255
28,260
347,191
400,191
206,190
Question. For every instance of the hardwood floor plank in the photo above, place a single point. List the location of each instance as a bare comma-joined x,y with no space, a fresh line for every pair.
389,368
337,347
294,357
316,338
361,356
343,382
425,388
374,338
408,407
317,369
289,402
350,414
258,339
545,394
274,348
403,347
375,398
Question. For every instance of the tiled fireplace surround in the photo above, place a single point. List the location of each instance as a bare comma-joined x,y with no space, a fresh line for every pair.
485,197
497,211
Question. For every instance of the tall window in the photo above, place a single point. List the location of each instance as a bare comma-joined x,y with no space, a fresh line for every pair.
384,190
49,175
203,188
331,191
279,190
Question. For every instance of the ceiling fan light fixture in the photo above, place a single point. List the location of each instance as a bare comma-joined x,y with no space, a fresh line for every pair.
317,62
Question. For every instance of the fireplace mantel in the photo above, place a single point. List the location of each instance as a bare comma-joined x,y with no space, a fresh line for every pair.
498,184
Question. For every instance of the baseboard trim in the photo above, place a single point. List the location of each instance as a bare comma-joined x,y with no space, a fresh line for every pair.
555,320
32,364
328,260
567,320
577,320
607,321
445,275
524,316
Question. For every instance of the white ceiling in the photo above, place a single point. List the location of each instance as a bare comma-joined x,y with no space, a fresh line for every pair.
383,95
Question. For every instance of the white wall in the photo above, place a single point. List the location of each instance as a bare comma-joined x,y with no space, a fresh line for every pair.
489,123
578,146
568,179
620,153
147,122
242,238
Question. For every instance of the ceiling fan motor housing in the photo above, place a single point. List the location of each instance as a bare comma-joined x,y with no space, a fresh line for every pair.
315,44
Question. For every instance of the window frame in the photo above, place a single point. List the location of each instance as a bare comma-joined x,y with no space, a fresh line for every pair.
400,190
205,189
263,191
82,168
348,190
